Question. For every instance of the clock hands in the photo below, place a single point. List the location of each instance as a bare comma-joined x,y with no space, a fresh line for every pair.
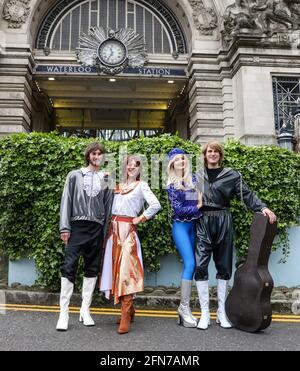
111,52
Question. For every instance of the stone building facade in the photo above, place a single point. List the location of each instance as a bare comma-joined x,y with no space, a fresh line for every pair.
212,69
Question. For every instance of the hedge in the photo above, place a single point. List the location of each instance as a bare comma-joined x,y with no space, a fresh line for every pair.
33,168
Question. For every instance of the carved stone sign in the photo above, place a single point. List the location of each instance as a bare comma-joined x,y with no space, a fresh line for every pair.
16,12
205,18
261,17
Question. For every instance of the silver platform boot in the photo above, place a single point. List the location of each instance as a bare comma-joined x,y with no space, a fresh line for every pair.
185,317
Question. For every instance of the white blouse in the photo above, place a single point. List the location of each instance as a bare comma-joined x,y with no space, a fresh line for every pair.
132,203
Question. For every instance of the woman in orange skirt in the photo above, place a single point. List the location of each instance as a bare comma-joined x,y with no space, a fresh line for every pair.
123,273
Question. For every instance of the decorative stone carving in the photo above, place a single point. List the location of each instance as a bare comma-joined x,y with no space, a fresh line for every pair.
261,17
205,18
88,53
16,12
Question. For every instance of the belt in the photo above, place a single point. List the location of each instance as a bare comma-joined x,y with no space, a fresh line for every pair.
216,212
125,219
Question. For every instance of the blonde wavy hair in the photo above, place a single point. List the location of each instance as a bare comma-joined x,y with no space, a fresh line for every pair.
186,181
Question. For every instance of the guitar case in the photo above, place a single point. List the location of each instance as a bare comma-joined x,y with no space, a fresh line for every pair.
248,305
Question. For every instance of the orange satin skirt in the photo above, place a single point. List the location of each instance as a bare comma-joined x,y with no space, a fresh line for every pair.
127,269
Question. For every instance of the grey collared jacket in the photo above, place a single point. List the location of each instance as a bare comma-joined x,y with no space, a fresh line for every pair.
228,185
86,196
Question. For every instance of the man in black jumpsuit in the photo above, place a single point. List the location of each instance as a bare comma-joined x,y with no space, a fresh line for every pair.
215,230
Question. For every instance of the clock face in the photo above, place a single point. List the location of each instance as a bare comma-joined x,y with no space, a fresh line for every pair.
112,52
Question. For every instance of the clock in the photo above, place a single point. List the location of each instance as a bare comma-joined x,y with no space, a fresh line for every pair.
112,53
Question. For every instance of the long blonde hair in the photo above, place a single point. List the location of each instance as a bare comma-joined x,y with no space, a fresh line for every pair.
183,183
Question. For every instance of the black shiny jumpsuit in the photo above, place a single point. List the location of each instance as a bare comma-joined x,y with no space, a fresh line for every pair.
215,228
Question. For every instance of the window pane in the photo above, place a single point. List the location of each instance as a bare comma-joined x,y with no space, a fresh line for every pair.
103,13
121,13
112,14
75,28
139,20
56,39
167,49
149,33
84,18
157,37
65,33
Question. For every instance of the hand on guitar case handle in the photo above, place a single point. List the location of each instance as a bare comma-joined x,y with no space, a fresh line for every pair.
269,213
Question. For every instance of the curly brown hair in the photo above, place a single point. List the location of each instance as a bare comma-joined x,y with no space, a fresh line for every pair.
92,148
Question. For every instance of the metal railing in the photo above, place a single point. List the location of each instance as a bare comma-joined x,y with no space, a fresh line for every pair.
115,135
286,92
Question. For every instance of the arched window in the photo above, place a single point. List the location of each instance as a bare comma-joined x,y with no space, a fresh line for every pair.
62,27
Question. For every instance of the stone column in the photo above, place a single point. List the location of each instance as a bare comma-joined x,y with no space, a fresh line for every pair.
254,106
15,91
206,100
228,117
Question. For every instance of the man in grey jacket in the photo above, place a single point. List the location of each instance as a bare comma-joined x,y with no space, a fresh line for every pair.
215,229
84,216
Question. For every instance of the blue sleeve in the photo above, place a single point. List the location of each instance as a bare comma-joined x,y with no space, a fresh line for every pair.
177,202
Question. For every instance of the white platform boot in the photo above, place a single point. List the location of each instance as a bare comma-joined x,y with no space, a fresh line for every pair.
65,296
185,316
222,319
88,288
203,293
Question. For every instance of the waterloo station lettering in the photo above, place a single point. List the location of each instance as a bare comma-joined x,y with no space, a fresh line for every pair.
69,69
144,71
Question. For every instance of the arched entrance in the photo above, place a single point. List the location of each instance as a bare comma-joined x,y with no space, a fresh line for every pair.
136,101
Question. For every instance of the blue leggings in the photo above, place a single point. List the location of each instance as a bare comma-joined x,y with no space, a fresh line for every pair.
184,235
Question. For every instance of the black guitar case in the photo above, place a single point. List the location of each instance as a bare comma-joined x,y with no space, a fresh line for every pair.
248,305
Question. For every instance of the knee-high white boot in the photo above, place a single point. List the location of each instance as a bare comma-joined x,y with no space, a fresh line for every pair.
65,296
88,288
185,316
222,319
203,293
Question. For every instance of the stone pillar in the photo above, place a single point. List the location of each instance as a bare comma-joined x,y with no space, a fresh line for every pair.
15,91
254,106
206,100
228,117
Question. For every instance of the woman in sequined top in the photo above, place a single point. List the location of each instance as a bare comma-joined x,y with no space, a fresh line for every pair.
186,202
